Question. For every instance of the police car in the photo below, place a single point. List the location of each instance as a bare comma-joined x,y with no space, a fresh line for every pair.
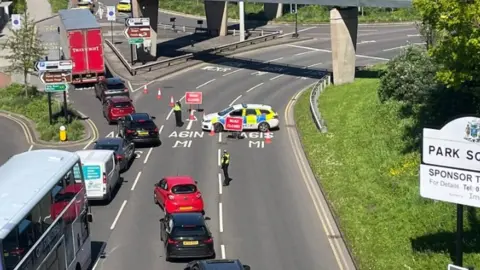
255,117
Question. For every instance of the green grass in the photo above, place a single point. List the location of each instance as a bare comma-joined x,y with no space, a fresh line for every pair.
35,107
373,187
58,5
306,14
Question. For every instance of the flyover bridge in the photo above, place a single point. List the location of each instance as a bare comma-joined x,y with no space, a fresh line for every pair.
343,24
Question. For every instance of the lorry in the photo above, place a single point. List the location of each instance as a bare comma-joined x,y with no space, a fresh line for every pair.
82,42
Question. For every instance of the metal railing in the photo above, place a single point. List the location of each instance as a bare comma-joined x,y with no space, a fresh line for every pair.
189,56
193,29
316,91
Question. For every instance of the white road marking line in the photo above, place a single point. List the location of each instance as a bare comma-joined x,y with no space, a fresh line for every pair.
148,155
314,65
118,215
280,58
306,29
205,83
222,248
136,180
253,88
219,157
394,48
189,125
329,51
130,86
160,130
230,73
276,77
302,53
237,98
366,42
219,137
416,35
30,148
171,110
220,188
220,216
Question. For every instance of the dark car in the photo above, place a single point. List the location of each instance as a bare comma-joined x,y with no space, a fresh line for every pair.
217,265
138,128
111,87
117,107
124,150
186,235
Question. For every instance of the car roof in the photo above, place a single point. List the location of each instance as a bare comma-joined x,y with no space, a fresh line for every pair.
192,218
252,106
114,141
116,99
220,264
140,116
114,80
179,180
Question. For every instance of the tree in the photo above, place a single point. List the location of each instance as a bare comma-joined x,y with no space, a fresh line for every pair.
457,49
25,49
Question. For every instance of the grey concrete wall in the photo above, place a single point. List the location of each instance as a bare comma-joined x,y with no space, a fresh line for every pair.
216,13
343,31
273,11
147,9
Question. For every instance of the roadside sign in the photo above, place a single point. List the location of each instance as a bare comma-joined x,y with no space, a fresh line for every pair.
16,21
135,41
55,77
454,267
111,13
137,22
54,65
137,32
56,87
233,124
193,98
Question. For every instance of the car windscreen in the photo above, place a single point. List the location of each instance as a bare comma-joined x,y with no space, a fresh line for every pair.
184,189
194,231
122,104
116,86
225,111
145,125
113,147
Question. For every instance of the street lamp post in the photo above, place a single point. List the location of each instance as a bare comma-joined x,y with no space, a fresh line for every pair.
295,35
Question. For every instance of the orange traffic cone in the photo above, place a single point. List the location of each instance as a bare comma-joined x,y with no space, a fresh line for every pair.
192,117
159,94
145,89
172,102
268,138
212,131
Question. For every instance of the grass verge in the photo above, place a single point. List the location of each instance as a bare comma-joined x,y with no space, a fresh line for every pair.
35,107
306,14
373,187
58,5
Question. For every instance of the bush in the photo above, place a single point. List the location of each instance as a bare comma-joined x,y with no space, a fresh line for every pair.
12,98
58,5
19,6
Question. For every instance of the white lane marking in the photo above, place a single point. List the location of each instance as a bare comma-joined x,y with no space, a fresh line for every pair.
189,125
416,35
302,53
130,86
306,29
237,98
329,51
222,248
220,188
160,130
314,65
30,148
219,137
280,58
171,110
230,73
394,48
118,215
136,180
276,77
190,122
366,42
205,83
220,216
219,157
253,88
148,155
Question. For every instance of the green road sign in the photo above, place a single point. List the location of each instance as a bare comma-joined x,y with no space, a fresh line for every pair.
135,40
56,87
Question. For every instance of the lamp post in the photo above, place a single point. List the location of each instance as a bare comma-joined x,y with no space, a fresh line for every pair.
295,35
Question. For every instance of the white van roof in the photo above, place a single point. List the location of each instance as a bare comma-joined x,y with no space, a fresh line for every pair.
95,155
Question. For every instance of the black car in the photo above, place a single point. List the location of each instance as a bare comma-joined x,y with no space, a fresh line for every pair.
138,128
124,150
111,87
186,235
224,264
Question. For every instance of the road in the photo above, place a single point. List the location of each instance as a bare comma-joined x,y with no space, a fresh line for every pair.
13,139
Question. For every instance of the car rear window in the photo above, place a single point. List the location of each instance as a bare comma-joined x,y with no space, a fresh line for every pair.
122,104
116,86
146,124
113,147
184,189
189,231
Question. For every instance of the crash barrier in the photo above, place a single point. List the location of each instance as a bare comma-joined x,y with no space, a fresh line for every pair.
189,56
314,95
198,30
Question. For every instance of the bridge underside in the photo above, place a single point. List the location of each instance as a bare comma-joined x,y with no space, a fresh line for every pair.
338,3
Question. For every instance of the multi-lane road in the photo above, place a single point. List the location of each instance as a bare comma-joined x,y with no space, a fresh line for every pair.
272,216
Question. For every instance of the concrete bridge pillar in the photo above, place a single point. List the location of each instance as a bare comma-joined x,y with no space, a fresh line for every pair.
216,13
343,31
273,10
147,9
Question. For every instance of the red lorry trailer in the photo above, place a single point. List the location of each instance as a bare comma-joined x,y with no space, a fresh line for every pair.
82,42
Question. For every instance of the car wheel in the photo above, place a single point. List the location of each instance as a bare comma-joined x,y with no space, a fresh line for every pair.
167,255
217,127
263,127
109,196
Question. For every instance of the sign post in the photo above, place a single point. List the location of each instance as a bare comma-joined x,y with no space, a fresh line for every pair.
194,98
450,169
111,17
137,31
16,22
234,124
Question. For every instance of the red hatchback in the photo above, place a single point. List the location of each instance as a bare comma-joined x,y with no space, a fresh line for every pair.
116,107
177,194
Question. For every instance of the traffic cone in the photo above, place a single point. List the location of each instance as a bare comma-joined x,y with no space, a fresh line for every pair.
145,89
159,94
268,140
172,102
192,117
212,131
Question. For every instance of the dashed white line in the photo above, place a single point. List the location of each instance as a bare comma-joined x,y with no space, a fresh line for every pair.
416,35
276,59
160,130
148,155
302,53
136,180
219,157
189,125
253,88
30,148
171,110
329,51
394,48
220,188
118,215
219,137
366,42
205,83
276,77
306,29
220,216
230,73
235,100
222,248
314,65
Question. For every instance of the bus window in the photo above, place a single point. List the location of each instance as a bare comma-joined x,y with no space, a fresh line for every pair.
77,173
12,253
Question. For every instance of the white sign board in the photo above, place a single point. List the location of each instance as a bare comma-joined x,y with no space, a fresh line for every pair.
137,22
454,267
111,13
54,65
16,21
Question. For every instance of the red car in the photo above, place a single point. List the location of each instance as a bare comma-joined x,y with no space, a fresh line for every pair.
178,194
116,107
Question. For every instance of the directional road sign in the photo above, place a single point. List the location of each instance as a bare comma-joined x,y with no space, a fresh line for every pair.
56,87
137,22
111,13
16,21
54,65
135,41
137,32
56,77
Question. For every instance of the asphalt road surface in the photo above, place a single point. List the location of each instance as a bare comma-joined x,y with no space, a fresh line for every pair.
13,139
266,217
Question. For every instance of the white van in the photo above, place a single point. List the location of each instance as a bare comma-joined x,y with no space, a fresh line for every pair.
101,171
